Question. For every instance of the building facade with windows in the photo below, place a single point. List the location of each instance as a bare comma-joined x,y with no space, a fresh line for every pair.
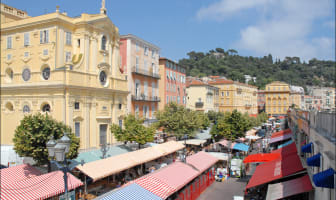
201,96
261,101
172,85
140,62
327,95
236,96
296,96
66,67
277,96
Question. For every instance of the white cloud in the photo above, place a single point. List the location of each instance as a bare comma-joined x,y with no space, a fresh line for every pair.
283,28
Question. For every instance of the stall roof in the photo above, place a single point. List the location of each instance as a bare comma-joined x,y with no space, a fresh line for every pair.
275,169
202,160
280,138
17,173
219,155
282,132
289,188
241,147
94,155
261,157
112,165
130,192
39,187
196,142
176,175
226,143
251,132
286,150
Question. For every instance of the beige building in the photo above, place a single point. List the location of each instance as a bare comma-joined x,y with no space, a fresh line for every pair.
277,96
236,96
327,95
296,96
67,67
201,96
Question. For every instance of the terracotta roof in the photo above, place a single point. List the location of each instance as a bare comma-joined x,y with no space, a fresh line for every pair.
221,81
195,82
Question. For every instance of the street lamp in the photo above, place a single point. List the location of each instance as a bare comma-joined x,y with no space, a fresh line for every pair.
184,156
58,150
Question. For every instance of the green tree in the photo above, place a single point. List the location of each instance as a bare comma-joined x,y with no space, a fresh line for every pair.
134,130
178,121
203,120
34,132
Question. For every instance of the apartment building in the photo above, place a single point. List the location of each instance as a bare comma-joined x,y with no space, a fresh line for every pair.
172,85
277,98
296,96
201,96
68,67
327,95
261,101
140,61
236,96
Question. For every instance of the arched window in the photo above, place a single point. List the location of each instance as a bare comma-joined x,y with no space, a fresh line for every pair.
26,109
103,43
102,78
26,74
46,108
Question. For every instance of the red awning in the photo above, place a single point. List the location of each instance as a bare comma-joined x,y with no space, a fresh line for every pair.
281,133
17,173
286,150
275,169
39,187
261,157
289,188
202,161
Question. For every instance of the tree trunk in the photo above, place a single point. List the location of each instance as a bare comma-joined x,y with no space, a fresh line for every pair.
139,145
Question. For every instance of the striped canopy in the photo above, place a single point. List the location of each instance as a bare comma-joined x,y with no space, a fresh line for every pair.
38,187
18,173
130,192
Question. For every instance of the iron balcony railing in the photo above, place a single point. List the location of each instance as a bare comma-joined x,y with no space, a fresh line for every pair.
144,72
145,98
199,104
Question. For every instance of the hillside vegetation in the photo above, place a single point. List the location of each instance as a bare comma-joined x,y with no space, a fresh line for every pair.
233,66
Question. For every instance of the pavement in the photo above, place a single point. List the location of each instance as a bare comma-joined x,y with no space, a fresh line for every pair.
224,190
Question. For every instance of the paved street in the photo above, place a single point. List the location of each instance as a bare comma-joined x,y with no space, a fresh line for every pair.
224,190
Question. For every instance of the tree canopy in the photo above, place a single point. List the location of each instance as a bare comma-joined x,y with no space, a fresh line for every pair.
232,126
178,121
233,66
134,131
34,132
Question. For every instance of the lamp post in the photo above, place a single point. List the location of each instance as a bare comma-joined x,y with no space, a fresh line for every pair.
58,150
185,149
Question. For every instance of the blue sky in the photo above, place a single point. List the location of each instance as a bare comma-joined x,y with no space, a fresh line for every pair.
304,28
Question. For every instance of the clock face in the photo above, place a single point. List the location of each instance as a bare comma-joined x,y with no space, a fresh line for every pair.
26,74
102,77
46,73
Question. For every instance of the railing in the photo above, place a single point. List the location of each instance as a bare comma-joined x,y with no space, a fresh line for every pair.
199,104
145,72
145,98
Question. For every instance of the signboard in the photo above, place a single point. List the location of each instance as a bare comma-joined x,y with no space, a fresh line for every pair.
71,196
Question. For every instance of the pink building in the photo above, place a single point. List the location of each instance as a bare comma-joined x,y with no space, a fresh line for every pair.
140,61
172,85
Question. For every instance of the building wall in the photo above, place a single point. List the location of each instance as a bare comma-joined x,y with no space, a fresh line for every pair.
327,95
172,83
277,98
201,93
237,96
142,67
76,68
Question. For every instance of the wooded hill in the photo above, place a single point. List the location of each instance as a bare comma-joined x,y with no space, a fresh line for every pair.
233,66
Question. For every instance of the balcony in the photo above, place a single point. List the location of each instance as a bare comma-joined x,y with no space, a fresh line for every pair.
248,105
143,97
199,104
143,72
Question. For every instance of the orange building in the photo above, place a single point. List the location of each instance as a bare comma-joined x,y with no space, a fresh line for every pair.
140,61
172,85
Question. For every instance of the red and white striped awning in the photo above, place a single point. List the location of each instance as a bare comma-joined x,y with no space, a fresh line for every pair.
17,173
202,161
38,187
156,186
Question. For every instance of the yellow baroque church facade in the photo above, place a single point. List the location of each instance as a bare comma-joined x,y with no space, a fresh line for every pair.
68,67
